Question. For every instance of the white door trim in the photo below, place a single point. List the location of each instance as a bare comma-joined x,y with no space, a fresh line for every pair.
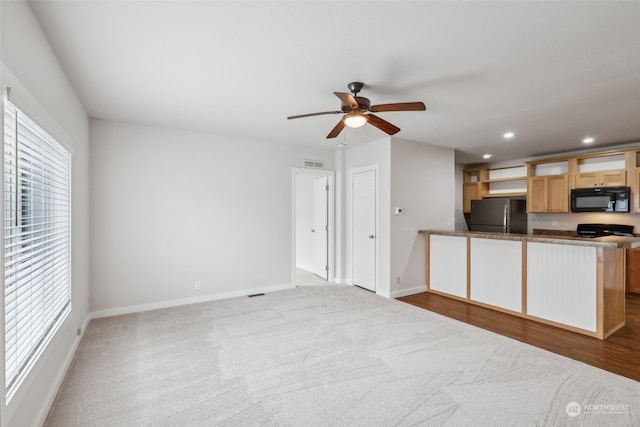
331,219
352,172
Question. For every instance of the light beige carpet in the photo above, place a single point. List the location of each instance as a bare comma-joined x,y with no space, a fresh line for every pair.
326,356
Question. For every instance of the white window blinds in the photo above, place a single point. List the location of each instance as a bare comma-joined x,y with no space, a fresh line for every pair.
37,240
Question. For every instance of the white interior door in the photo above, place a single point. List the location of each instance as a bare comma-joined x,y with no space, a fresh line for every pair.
320,230
364,229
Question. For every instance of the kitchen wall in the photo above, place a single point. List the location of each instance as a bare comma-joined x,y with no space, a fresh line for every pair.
41,89
172,207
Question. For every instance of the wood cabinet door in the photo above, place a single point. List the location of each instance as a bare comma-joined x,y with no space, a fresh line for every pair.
557,193
470,192
586,179
613,178
537,194
635,189
610,178
633,270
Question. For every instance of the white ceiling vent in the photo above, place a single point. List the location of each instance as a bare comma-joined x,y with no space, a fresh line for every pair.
316,164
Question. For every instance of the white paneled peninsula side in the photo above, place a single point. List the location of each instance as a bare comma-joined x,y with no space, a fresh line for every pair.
569,282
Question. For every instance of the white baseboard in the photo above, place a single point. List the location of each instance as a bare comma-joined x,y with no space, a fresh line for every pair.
62,372
185,301
410,291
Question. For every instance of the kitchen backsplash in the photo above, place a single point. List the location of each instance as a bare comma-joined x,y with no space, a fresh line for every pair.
570,221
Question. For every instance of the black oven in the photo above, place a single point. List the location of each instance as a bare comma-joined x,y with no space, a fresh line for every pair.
602,199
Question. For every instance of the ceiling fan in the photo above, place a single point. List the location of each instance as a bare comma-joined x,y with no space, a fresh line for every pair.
354,108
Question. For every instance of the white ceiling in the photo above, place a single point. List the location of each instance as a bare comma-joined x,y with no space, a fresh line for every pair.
553,72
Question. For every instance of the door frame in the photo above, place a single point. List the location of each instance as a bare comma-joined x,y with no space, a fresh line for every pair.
352,172
330,217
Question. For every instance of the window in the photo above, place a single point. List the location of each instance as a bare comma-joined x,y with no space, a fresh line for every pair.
37,240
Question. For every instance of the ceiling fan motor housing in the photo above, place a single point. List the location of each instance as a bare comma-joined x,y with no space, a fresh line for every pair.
363,105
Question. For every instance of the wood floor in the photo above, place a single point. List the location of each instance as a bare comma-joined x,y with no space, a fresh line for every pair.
620,353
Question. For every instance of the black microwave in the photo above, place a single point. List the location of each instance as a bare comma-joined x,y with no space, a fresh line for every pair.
602,199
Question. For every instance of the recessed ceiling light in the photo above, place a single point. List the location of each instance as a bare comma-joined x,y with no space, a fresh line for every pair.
487,156
588,140
508,135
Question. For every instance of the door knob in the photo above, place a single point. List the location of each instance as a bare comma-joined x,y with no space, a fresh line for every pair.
371,236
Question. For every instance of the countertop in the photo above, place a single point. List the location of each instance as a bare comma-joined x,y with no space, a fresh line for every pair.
606,241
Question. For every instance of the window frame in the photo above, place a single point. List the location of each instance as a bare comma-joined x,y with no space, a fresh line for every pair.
42,192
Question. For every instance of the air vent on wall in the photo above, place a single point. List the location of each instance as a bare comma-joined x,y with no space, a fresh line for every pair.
316,164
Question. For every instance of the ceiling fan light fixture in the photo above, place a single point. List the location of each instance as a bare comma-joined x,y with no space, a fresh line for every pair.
355,119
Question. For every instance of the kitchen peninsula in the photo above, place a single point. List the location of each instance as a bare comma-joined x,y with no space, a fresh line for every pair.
569,282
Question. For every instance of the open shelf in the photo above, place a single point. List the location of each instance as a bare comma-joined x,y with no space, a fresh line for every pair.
514,194
519,178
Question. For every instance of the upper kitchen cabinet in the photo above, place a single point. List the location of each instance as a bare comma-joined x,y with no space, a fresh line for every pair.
600,170
633,172
612,178
483,182
548,187
475,186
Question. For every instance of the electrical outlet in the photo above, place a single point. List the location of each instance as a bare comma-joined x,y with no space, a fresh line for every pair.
398,280
79,331
197,285
554,223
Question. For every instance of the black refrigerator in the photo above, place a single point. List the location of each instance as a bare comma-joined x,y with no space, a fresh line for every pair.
500,214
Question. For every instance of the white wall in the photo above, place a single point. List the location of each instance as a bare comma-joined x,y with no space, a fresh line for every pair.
460,222
424,186
304,220
173,207
41,89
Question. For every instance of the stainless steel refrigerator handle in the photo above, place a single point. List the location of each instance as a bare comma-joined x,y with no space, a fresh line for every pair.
504,217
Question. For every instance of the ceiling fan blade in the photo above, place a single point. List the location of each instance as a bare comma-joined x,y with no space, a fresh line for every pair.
383,125
399,106
336,130
347,99
314,114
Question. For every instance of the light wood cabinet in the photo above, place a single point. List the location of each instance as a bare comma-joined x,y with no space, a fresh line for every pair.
548,181
610,178
475,186
635,190
548,194
633,270
471,191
